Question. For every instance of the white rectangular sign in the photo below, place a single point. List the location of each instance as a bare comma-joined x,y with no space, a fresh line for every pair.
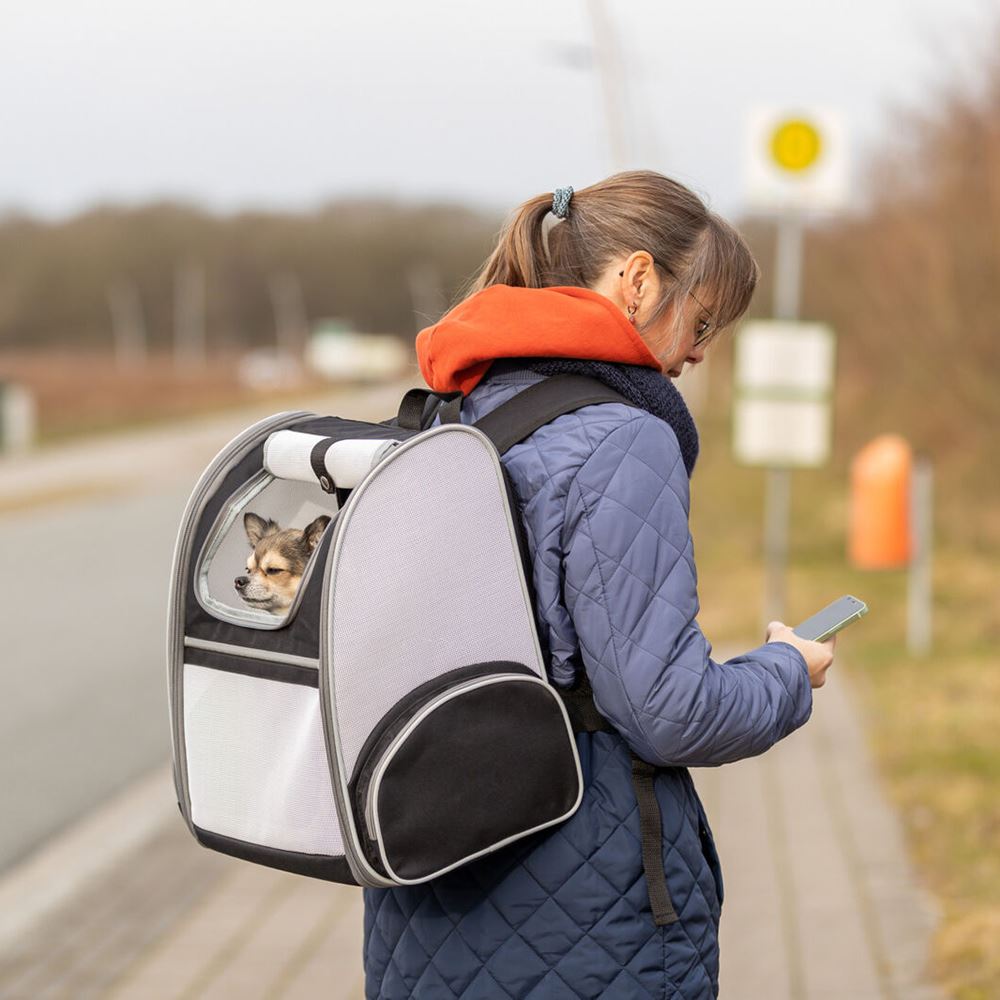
779,355
781,433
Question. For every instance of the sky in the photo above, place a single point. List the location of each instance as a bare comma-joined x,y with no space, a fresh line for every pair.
237,105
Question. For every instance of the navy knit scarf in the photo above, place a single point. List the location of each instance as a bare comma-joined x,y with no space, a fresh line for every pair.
645,387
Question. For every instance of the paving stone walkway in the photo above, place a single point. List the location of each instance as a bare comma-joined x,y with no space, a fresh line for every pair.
820,901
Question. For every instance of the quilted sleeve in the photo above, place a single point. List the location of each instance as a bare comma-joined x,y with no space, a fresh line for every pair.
630,585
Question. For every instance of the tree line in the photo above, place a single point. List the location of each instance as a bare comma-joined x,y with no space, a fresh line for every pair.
374,263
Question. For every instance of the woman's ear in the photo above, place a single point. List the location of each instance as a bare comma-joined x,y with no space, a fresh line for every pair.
637,275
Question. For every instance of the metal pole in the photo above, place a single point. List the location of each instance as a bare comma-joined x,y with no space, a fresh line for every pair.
426,294
189,315
788,265
288,306
128,326
777,504
611,73
920,605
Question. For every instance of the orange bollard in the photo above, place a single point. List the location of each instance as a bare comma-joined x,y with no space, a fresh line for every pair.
881,473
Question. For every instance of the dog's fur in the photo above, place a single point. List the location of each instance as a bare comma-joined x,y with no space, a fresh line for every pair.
276,562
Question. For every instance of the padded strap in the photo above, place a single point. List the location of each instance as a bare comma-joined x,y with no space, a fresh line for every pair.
531,408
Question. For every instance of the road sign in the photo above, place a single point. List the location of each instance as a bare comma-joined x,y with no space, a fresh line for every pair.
796,159
783,382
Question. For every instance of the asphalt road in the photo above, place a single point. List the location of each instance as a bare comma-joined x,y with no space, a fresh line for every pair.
83,594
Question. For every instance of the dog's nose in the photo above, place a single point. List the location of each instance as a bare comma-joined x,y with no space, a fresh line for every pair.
241,582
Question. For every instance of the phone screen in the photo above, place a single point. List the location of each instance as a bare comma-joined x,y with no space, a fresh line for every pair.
832,618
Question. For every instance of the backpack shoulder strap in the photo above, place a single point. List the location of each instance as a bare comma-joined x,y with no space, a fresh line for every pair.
531,408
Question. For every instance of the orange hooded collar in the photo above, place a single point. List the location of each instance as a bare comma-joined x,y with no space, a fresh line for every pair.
504,321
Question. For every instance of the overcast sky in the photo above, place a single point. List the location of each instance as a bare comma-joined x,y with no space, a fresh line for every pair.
242,104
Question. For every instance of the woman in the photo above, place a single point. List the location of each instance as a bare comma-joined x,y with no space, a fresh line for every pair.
627,280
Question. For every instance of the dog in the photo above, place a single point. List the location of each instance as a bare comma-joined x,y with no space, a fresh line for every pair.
277,561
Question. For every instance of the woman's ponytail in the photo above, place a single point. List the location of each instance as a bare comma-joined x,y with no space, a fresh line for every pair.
520,255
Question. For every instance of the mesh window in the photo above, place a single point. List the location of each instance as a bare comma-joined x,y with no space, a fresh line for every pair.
259,550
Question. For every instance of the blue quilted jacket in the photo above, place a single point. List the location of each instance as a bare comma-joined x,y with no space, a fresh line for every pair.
565,914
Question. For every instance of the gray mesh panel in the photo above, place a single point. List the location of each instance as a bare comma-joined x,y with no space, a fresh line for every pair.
426,579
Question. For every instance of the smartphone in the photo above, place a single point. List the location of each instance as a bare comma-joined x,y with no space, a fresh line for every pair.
831,619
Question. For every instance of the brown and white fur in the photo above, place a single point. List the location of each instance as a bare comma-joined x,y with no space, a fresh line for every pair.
276,562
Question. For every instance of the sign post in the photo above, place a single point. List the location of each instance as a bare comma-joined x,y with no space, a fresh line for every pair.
781,420
796,161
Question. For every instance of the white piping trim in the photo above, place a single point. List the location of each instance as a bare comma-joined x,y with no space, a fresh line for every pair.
407,732
250,654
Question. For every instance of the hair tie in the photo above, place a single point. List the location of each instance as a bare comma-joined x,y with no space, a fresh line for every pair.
560,202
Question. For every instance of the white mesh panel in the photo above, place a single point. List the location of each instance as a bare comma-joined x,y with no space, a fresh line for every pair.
257,764
427,579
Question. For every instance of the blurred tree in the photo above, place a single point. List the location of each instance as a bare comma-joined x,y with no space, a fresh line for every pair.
351,258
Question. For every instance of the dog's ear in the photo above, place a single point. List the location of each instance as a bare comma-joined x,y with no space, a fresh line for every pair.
258,528
312,532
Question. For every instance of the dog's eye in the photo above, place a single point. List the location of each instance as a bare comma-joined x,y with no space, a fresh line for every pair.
272,570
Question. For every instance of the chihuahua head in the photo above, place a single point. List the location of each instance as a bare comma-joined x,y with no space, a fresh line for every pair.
276,562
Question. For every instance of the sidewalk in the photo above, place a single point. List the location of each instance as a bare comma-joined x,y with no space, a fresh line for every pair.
820,901
148,456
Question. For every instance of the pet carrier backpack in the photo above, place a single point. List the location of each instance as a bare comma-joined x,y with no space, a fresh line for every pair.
393,720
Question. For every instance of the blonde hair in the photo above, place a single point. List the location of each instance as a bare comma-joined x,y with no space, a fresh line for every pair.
691,246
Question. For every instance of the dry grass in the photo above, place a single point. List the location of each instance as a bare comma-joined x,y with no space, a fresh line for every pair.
934,722
80,393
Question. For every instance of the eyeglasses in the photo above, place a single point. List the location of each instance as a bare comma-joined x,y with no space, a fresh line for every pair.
703,336
705,330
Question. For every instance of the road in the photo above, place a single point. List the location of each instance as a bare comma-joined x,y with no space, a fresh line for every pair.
87,535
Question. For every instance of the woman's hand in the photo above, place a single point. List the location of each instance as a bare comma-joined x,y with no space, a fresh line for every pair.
818,655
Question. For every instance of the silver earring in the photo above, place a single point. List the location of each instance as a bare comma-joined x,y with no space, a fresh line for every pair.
632,311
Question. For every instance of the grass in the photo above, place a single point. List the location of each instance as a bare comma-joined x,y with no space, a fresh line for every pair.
933,721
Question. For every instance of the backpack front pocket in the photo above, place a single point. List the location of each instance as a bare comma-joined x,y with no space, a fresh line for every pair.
470,762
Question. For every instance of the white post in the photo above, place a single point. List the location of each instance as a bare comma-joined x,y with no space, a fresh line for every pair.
920,605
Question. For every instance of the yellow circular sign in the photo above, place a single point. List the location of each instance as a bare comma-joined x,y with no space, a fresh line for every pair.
796,144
